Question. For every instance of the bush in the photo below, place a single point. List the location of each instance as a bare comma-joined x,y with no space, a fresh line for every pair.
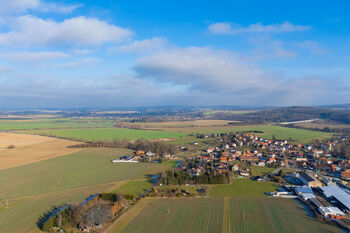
11,147
48,224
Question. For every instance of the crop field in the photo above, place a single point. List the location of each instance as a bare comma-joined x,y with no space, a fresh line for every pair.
32,189
178,215
30,148
106,134
242,188
241,215
54,123
271,215
180,124
297,135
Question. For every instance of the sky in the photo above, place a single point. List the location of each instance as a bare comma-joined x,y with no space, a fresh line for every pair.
125,53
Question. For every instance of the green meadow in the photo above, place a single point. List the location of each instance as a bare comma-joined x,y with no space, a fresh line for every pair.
106,134
242,188
32,189
54,123
298,135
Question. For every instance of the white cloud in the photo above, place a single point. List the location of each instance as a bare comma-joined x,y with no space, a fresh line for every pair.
81,51
4,69
28,57
271,49
117,90
79,31
201,68
77,63
220,75
313,47
141,46
8,7
54,7
229,28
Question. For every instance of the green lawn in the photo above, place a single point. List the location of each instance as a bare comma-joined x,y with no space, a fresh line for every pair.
54,123
135,187
34,188
242,188
259,171
107,134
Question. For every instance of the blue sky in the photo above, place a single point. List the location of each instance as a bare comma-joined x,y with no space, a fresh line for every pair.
136,53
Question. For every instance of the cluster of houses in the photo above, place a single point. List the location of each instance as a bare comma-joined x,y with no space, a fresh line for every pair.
256,151
142,156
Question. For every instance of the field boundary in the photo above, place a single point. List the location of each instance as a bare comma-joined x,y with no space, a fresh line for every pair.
226,216
120,223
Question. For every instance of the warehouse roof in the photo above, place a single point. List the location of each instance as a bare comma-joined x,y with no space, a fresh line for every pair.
334,191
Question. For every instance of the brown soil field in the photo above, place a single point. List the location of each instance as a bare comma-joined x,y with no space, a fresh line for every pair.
31,148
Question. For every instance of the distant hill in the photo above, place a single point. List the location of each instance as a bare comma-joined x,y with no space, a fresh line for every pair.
288,114
336,106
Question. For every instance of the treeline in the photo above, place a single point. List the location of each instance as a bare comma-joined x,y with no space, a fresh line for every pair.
181,178
140,144
324,129
343,149
95,212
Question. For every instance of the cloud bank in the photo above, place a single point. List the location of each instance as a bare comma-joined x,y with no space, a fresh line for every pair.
231,29
79,31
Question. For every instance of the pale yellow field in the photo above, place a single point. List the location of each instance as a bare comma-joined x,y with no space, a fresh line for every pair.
30,148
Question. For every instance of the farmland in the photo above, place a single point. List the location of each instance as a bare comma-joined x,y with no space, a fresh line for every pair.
106,134
297,135
179,215
180,124
10,124
271,215
30,148
32,189
97,129
224,215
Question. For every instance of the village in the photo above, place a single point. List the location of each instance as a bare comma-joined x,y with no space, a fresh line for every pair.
312,174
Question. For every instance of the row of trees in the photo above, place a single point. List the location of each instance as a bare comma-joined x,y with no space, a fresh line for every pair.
140,144
181,178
